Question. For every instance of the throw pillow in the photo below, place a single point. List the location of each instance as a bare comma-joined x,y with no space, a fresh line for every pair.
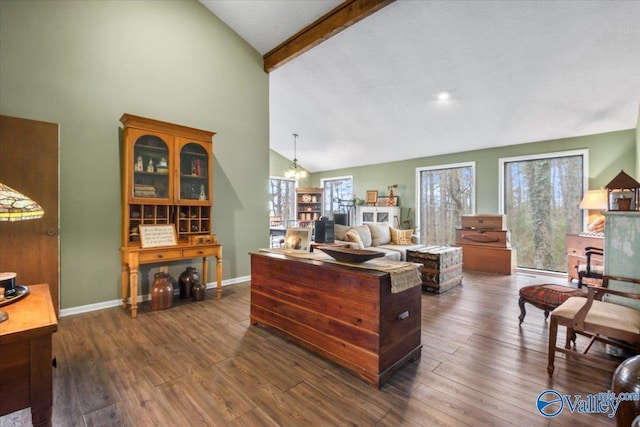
364,233
401,237
340,230
380,234
354,237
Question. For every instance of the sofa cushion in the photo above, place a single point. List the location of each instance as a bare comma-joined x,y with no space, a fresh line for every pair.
364,233
352,236
400,237
339,231
380,234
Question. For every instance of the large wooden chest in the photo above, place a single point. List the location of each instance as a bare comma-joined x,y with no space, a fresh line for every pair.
348,315
484,222
442,267
489,258
497,238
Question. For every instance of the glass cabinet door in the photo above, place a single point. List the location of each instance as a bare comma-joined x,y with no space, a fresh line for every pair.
194,173
150,168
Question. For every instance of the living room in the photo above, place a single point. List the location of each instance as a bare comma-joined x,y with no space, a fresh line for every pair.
84,64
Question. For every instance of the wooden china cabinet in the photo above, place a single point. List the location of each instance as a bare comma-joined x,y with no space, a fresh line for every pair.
167,183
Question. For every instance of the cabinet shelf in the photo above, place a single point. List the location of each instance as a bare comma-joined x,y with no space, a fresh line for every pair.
308,205
167,178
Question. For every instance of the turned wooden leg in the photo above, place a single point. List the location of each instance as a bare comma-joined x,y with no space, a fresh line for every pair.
133,286
219,275
553,334
125,284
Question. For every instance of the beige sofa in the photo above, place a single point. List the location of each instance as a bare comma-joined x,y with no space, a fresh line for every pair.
380,237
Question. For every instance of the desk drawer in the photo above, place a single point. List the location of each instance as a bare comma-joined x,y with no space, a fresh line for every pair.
200,252
159,256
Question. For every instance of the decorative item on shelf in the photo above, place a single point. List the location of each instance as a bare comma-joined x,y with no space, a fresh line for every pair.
391,201
623,193
372,197
161,292
162,166
150,167
15,206
198,291
595,200
139,166
295,171
186,280
202,195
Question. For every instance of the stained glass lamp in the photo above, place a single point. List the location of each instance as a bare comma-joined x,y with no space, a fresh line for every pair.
15,206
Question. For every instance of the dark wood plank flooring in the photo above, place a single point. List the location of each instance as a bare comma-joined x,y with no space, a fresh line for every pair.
201,363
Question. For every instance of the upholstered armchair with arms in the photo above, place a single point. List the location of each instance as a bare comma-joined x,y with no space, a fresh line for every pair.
598,319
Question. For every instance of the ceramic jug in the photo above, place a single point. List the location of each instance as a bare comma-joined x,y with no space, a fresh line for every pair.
198,291
161,292
186,280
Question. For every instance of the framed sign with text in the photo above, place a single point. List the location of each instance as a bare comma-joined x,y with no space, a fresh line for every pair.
153,236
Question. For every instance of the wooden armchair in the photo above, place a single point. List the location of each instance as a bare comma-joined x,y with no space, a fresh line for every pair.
594,268
603,321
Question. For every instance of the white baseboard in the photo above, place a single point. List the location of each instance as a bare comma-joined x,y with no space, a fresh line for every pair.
118,303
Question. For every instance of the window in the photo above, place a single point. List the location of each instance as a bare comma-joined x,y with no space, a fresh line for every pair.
338,195
282,199
446,193
540,195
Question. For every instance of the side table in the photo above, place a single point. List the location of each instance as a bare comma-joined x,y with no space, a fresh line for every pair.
26,361
442,267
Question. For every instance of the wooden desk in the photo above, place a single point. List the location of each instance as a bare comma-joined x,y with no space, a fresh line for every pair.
348,315
576,243
132,257
26,355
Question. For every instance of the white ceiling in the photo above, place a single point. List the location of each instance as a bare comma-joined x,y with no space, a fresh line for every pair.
518,71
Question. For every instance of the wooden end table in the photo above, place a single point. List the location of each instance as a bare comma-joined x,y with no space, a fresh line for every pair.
26,361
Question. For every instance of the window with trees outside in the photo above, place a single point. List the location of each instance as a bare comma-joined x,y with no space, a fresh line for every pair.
445,193
540,196
282,196
338,195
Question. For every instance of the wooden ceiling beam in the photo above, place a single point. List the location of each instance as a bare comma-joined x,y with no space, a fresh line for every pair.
340,18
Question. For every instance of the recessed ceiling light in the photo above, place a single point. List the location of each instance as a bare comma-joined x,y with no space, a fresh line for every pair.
443,95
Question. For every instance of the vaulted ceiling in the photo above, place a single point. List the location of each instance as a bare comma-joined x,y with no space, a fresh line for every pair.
517,71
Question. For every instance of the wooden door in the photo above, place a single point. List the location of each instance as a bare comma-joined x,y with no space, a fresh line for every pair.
29,164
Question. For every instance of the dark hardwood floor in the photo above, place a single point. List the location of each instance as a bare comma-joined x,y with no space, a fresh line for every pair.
201,363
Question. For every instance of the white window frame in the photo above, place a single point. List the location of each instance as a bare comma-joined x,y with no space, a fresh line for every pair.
541,156
419,171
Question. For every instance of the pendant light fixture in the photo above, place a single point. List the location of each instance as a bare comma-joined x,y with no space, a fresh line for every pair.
294,170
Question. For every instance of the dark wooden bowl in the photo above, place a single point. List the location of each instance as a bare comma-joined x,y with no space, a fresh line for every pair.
350,255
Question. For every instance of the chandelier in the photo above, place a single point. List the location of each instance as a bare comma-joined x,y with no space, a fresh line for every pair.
294,170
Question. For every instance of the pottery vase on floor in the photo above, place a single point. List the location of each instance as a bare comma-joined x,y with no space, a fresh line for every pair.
186,280
198,291
161,292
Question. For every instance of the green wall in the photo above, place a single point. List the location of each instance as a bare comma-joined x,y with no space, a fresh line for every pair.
83,64
608,154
